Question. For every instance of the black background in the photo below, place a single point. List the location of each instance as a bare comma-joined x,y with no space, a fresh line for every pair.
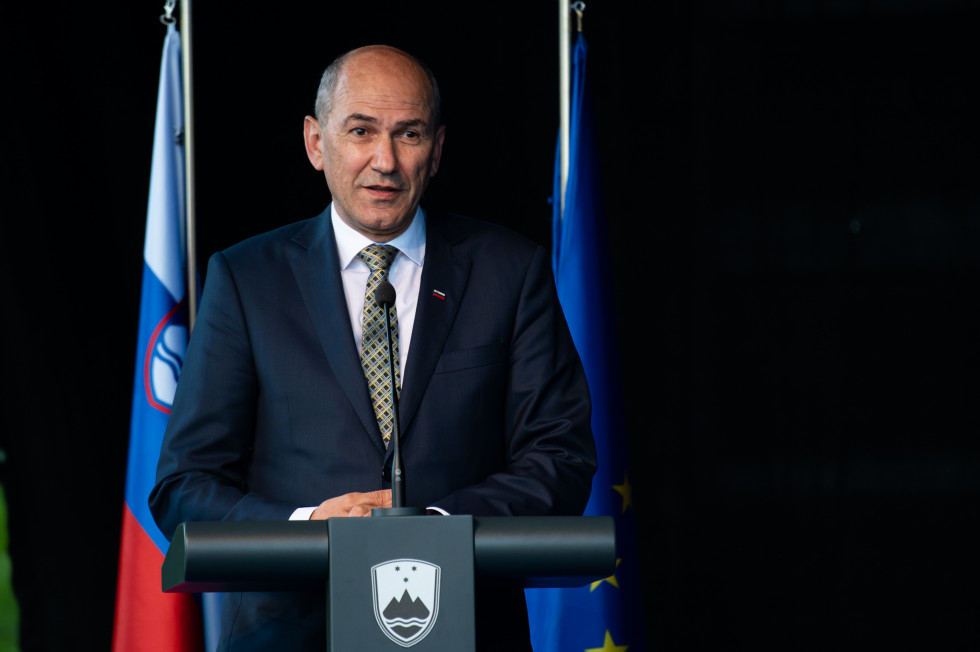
794,185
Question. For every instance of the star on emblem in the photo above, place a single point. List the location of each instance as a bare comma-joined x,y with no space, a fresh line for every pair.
608,646
611,579
625,490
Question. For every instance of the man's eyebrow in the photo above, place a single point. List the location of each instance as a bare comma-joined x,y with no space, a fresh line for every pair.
414,122
417,123
359,117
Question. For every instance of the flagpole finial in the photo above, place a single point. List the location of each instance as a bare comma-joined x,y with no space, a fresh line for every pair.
167,16
579,8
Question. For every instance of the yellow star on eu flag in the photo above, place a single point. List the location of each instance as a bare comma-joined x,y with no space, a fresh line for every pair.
608,646
626,490
611,579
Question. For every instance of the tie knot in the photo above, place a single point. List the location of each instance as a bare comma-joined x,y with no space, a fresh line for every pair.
378,257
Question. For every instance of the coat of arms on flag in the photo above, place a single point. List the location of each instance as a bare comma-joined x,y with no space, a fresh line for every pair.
406,599
164,358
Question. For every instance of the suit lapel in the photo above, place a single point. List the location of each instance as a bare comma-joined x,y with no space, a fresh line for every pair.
316,267
445,272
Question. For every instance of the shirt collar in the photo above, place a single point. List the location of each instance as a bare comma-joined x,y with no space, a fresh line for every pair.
411,243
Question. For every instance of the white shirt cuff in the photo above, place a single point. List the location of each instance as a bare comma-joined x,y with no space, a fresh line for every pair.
302,513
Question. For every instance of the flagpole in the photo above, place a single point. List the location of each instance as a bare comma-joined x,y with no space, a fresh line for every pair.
564,99
189,172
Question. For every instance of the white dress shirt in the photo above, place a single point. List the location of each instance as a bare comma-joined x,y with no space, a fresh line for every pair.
405,275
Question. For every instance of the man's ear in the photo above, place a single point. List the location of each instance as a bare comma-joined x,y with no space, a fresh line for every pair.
437,149
314,141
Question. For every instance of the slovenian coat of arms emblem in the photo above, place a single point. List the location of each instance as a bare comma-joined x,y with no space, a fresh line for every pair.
406,599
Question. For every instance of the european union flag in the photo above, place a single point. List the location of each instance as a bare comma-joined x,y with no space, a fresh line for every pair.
606,615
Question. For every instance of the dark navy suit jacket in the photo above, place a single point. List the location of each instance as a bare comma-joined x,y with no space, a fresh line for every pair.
272,410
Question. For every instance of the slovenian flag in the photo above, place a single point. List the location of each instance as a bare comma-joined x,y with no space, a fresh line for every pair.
606,615
146,618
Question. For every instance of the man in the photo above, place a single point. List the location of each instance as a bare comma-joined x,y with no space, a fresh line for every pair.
273,418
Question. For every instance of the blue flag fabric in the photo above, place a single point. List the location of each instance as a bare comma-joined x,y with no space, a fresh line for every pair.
606,615
146,618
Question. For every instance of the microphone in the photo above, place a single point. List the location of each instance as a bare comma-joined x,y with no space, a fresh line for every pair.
385,296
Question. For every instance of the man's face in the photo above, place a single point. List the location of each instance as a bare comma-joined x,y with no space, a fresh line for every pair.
377,149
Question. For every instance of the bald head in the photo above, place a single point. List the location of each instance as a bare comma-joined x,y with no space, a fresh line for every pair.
370,58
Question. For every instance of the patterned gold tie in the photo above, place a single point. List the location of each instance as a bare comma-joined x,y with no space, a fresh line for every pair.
374,344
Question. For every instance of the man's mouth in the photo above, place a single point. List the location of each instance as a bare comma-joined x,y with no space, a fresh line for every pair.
383,191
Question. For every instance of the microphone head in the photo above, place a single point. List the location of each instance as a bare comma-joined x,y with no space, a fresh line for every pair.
385,294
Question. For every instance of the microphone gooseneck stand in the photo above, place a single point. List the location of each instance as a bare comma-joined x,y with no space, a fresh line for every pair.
385,296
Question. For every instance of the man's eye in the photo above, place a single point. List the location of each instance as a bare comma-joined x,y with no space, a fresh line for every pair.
412,135
359,131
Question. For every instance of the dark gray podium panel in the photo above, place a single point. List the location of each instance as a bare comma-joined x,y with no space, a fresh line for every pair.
545,551
405,581
289,555
212,556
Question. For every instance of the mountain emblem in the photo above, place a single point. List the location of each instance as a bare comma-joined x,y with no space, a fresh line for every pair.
406,599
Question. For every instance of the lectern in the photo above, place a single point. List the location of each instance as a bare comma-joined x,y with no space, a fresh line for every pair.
392,583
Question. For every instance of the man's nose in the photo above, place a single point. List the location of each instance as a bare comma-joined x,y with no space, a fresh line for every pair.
385,160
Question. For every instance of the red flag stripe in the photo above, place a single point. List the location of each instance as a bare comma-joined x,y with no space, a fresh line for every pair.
147,619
